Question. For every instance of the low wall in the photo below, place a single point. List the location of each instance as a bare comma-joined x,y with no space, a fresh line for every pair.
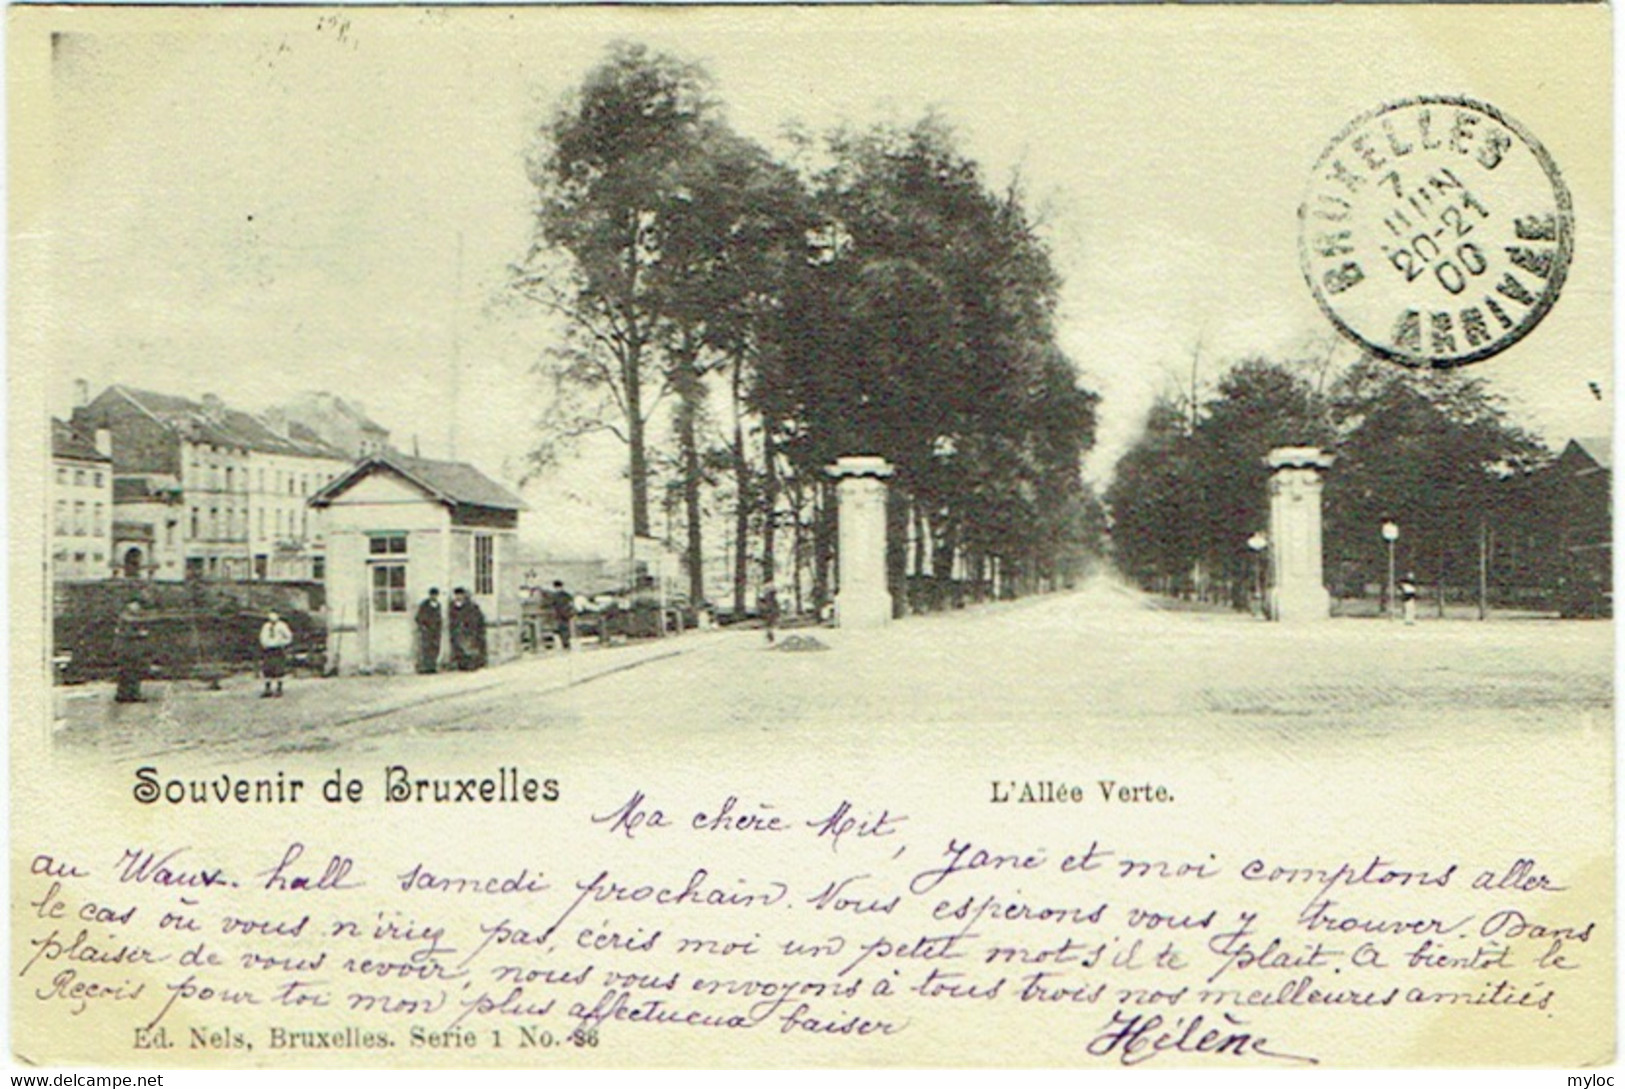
195,628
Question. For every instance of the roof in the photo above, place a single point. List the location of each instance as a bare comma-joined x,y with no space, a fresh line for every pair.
322,401
220,425
1599,449
455,483
68,443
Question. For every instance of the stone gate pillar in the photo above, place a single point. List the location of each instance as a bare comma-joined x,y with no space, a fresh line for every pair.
863,601
1297,579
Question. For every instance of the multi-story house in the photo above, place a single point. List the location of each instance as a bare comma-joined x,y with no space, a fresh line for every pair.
221,491
287,535
81,503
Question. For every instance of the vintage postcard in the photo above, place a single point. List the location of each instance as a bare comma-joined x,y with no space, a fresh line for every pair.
849,536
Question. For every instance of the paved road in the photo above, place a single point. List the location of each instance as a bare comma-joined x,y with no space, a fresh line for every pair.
1103,665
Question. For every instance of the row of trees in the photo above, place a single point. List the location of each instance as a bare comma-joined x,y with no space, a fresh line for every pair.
1433,451
739,322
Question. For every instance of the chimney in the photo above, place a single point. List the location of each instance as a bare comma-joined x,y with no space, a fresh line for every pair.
213,407
81,393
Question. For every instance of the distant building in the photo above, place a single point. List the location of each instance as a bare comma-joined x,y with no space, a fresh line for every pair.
333,420
81,503
1581,497
582,575
398,526
224,491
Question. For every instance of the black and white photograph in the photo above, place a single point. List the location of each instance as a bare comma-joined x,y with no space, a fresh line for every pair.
812,537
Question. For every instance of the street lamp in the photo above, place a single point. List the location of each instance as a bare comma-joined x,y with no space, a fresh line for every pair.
1390,533
1258,542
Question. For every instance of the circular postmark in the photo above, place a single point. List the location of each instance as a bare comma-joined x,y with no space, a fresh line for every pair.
1435,231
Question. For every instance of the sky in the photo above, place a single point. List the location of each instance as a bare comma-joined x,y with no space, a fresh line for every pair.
253,202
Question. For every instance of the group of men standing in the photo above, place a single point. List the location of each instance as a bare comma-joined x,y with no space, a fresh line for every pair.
465,623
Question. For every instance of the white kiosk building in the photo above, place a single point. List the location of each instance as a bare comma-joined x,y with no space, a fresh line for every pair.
398,526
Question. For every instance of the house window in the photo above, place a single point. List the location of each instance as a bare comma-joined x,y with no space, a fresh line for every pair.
78,517
61,517
318,568
387,544
98,480
62,477
194,526
484,564
78,478
389,588
96,523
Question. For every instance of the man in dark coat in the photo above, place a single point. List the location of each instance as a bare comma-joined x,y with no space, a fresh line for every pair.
467,626
563,605
429,622
769,604
130,651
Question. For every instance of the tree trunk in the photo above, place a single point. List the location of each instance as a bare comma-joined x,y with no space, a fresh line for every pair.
823,543
638,469
742,495
770,516
689,392
897,501
942,563
632,383
798,530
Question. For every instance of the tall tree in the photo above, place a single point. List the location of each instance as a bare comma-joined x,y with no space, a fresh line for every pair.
612,173
923,331
724,249
1153,501
1428,450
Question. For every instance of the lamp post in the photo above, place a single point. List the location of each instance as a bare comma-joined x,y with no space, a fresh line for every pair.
1258,542
1390,533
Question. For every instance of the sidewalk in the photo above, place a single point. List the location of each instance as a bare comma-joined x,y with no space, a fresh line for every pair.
186,715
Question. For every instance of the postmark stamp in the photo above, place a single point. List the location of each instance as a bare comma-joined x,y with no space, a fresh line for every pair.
1435,231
